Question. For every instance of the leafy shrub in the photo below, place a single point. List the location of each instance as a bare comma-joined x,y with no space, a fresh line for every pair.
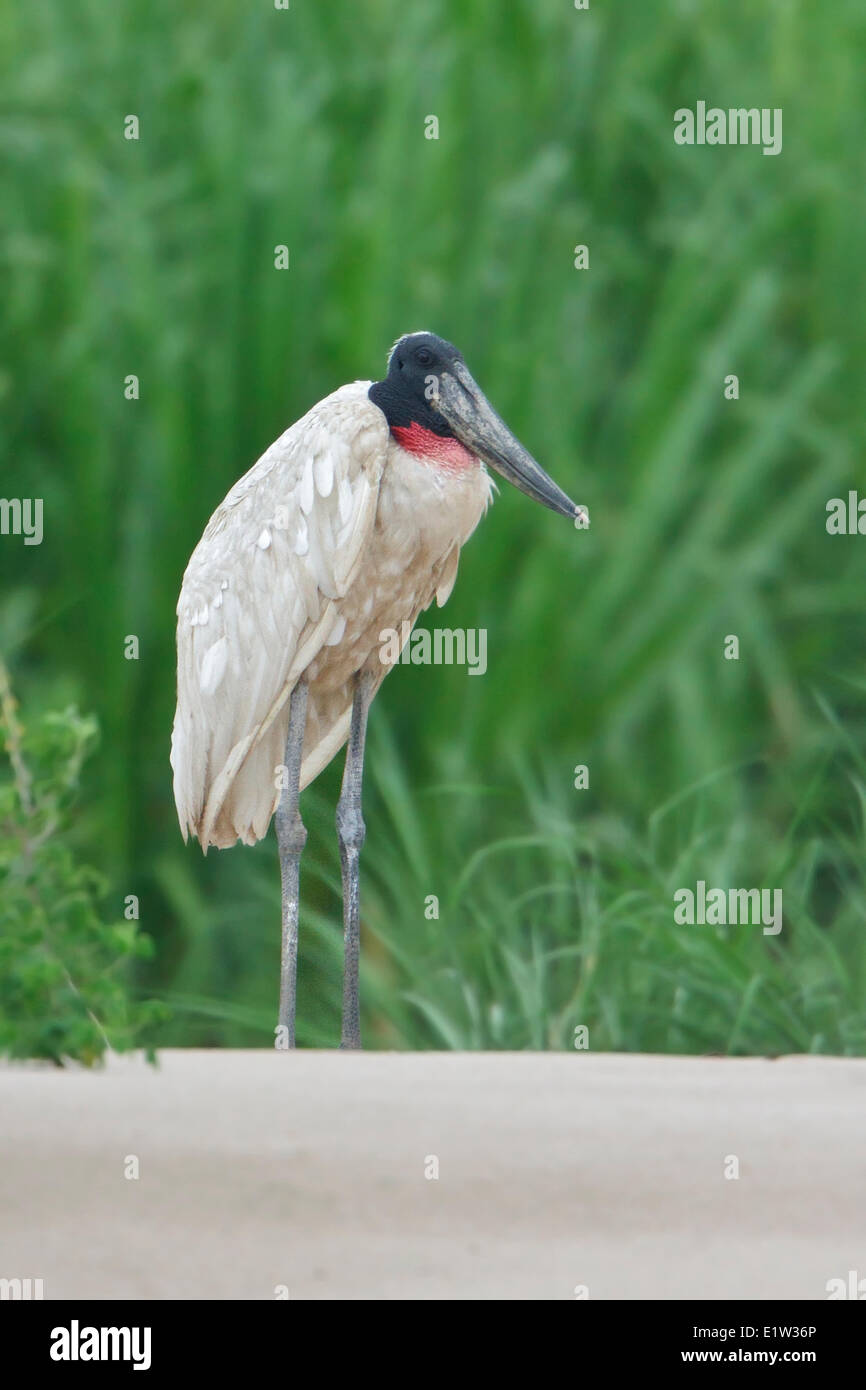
64,990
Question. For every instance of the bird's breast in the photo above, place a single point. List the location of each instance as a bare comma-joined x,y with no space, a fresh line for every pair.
427,509
432,495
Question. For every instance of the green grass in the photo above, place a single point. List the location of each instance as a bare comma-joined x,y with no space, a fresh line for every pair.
305,127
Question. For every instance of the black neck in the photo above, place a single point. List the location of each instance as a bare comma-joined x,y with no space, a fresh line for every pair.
402,409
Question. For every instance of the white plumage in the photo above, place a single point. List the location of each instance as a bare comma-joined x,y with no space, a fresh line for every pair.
336,534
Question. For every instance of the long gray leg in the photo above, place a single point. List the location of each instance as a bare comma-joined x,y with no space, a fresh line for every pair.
351,831
291,838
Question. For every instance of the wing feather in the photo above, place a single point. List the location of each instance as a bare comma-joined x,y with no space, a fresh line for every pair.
259,600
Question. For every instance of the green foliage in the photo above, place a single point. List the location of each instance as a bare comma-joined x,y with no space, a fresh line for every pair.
63,990
503,966
305,127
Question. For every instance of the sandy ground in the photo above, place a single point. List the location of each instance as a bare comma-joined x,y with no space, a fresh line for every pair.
309,1171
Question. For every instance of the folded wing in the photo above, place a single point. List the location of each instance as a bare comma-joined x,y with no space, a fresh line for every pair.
260,599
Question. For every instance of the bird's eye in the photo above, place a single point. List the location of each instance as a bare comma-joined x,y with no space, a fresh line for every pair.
423,356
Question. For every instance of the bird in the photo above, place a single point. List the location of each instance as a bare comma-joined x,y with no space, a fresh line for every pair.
350,525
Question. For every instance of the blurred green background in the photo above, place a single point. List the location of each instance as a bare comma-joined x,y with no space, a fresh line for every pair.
306,127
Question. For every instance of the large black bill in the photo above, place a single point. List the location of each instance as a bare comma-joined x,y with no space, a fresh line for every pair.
476,424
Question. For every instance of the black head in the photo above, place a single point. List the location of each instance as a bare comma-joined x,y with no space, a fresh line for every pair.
429,384
416,364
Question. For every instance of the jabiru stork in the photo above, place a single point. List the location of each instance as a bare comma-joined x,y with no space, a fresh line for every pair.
351,523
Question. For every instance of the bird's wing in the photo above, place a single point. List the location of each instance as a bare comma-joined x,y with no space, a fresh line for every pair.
260,599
